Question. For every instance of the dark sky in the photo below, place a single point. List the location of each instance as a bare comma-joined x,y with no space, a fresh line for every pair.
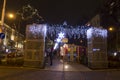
57,11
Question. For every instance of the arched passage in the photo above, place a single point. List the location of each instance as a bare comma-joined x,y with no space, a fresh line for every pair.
90,38
70,41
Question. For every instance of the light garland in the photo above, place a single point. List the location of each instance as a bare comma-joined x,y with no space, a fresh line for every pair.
70,31
96,32
36,31
60,31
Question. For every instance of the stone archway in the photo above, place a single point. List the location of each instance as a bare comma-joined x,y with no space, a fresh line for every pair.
35,45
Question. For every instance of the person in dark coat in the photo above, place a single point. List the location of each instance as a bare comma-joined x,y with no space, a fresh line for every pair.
51,57
50,54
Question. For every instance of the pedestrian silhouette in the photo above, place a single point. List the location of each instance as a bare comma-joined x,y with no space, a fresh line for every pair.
50,54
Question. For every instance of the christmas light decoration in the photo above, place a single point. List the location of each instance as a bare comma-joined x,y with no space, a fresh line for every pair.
37,31
70,31
61,35
96,32
58,32
56,46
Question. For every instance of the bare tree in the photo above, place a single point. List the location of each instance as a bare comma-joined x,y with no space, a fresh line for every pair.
30,14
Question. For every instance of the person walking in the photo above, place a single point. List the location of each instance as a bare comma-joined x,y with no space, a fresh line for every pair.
50,54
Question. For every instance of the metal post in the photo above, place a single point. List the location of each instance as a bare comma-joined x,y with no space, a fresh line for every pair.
117,40
2,18
63,77
3,15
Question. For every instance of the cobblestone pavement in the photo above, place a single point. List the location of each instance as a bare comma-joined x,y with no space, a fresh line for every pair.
59,65
58,71
9,73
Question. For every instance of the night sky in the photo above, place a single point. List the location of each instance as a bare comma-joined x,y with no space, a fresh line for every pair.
57,11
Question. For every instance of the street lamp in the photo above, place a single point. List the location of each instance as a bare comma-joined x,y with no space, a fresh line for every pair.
11,15
111,29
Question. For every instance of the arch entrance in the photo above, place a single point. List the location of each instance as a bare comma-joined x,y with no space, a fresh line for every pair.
78,39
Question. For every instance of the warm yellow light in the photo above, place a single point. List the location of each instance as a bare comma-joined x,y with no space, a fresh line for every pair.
12,37
10,15
111,29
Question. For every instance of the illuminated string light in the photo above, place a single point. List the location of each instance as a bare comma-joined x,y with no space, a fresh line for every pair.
36,31
60,31
96,32
61,35
70,31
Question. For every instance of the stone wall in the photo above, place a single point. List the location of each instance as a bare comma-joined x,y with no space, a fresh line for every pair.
34,46
97,52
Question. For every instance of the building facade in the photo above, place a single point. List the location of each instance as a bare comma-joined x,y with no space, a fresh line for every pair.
13,40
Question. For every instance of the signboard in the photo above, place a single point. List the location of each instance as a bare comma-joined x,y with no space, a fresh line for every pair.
2,35
65,40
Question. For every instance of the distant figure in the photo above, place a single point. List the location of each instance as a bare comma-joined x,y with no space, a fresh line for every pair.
50,54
